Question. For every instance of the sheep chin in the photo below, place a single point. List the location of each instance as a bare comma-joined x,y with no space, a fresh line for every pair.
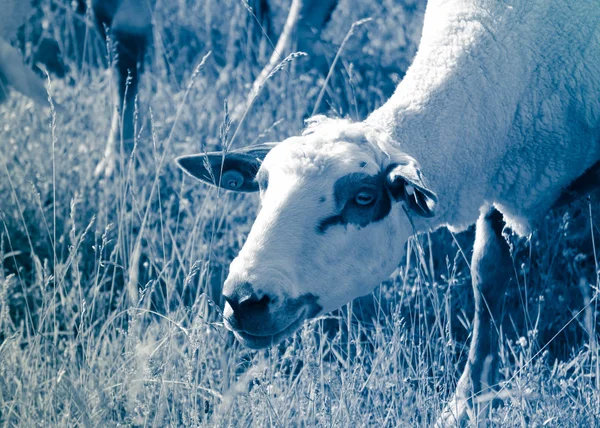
260,342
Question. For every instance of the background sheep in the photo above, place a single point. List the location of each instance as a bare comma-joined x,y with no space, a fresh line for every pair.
130,24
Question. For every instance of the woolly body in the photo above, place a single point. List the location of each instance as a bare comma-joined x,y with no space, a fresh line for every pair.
501,105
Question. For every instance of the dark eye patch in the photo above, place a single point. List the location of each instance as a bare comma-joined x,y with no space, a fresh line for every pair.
345,191
327,222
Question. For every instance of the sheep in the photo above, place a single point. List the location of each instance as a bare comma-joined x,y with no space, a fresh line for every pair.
498,114
13,73
130,25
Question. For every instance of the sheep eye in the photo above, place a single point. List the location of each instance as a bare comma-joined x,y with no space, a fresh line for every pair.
364,198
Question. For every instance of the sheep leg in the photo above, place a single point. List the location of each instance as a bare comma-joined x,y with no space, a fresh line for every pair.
491,273
302,30
130,24
314,16
587,185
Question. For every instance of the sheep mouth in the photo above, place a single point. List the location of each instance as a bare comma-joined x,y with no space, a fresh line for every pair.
257,341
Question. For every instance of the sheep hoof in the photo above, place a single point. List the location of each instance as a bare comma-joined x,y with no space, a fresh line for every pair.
454,414
106,166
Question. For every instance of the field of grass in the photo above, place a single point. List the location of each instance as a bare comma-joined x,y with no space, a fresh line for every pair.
110,287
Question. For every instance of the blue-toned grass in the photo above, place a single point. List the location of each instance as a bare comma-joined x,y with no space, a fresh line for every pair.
109,288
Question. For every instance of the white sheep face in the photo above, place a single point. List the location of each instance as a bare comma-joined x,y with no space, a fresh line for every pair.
331,226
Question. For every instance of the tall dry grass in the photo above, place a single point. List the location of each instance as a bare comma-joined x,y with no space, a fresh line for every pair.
109,288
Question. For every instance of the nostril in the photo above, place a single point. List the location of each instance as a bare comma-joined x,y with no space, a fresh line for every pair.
232,302
235,292
254,304
244,303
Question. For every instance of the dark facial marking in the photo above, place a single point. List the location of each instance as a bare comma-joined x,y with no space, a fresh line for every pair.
325,223
345,191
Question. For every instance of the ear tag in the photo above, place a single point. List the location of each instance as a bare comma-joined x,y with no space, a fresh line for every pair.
410,190
232,179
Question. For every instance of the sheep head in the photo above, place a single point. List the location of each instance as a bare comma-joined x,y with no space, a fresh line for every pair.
331,226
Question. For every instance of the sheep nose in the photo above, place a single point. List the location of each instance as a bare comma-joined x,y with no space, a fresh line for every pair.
246,308
248,304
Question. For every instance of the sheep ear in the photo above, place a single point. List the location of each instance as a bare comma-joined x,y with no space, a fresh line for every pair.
405,183
231,170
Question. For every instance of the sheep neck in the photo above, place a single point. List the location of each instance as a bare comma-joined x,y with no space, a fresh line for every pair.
490,91
449,114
